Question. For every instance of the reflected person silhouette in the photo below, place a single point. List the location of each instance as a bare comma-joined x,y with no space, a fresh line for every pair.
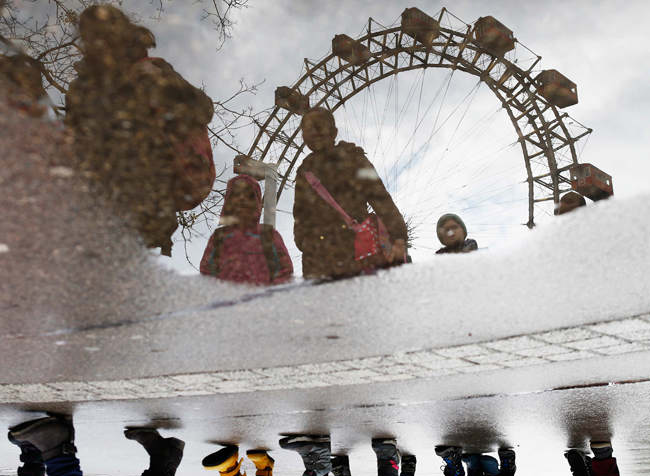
452,233
21,84
46,445
323,227
602,463
245,251
139,127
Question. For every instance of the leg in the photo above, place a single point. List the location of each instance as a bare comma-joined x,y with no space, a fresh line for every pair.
53,437
489,465
165,454
226,461
451,455
263,462
314,450
408,465
387,456
603,464
579,463
341,465
507,458
473,462
31,457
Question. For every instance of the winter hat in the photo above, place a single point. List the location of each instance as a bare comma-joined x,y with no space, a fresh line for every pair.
449,216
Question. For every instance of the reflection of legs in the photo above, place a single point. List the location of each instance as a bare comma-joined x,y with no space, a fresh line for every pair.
507,458
603,463
387,456
314,451
226,461
408,465
263,462
31,457
341,465
165,454
451,455
579,463
53,437
489,465
479,465
473,462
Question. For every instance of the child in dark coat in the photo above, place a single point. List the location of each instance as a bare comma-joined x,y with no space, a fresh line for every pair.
452,233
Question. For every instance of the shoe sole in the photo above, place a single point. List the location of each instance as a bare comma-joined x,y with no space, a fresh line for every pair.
19,430
601,444
446,451
304,438
130,433
213,460
260,452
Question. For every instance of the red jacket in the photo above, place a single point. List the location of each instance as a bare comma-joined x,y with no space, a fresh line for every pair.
253,255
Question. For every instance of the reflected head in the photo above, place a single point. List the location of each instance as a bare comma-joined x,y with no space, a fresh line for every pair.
318,129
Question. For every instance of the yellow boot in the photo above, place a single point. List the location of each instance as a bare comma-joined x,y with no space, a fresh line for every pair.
263,462
226,461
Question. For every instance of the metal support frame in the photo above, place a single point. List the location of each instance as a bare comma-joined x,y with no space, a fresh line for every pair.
330,82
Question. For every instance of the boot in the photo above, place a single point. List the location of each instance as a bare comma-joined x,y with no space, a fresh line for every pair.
579,463
263,462
341,465
408,465
53,436
315,452
31,457
226,461
387,456
601,449
165,454
507,461
451,455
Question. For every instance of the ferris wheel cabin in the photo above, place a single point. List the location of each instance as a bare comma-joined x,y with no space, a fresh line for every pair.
556,88
350,50
493,36
569,202
291,100
591,182
420,26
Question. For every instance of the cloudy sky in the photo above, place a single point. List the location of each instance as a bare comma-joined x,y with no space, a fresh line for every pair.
470,165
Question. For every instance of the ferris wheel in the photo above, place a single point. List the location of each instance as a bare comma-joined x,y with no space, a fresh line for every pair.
549,140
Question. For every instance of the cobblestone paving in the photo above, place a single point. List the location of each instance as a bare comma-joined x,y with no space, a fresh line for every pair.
573,343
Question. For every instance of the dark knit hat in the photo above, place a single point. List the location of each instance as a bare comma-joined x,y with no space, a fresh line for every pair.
449,216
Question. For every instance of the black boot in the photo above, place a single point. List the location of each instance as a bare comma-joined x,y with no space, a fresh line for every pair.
52,436
165,454
387,456
31,457
341,465
451,455
579,463
408,465
315,452
507,462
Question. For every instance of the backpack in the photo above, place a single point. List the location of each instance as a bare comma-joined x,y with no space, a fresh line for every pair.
211,266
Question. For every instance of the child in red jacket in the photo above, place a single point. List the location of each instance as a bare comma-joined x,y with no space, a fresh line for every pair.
245,251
